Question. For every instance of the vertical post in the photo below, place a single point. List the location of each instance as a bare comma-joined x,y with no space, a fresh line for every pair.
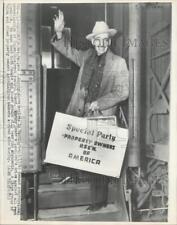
24,191
44,109
105,12
135,83
35,177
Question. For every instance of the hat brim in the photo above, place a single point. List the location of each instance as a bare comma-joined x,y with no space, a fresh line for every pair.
111,33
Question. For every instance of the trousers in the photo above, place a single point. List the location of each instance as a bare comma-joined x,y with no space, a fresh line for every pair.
99,188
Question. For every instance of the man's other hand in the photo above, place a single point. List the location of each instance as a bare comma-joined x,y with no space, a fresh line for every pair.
92,109
93,106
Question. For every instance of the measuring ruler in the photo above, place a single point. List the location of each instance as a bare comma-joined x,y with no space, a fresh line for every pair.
30,89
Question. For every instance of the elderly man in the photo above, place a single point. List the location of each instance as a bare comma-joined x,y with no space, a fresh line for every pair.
102,83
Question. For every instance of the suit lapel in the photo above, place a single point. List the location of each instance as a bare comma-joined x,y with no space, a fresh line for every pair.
108,63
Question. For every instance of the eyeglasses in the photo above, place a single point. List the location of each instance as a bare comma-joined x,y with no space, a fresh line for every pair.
101,42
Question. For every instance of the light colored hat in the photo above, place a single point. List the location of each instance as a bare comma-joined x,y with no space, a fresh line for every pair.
100,28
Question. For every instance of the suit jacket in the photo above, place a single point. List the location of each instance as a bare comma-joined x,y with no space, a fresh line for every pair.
114,86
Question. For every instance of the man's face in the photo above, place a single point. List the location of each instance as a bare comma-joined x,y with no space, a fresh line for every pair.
101,43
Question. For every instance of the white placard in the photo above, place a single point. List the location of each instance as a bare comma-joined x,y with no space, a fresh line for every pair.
86,145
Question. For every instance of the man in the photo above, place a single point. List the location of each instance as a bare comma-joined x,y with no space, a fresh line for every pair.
102,83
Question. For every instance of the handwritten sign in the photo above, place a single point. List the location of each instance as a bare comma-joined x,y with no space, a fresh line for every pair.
87,145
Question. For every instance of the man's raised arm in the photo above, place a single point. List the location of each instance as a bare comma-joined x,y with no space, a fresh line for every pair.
62,44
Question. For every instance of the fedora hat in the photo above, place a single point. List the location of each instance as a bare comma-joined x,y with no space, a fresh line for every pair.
100,28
